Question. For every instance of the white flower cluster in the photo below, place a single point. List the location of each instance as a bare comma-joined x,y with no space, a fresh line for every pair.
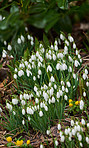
20,41
75,131
51,76
85,74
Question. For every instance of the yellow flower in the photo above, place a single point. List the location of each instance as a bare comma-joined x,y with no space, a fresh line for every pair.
28,142
19,142
70,104
77,102
9,139
70,100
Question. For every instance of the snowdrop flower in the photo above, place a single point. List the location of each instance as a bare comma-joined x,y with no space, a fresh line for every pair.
87,84
22,38
41,146
62,37
19,41
26,96
76,122
48,132
58,66
62,83
74,46
70,69
40,113
66,132
46,108
73,132
5,43
70,59
49,68
66,90
15,101
69,138
72,122
87,140
14,113
84,94
9,47
51,91
74,75
83,121
39,72
70,38
65,97
88,125
23,102
68,84
86,71
63,88
80,60
54,57
56,48
20,73
9,106
4,53
59,126
34,78
60,55
58,94
81,104
62,138
55,86
45,95
78,128
66,42
32,43
16,70
29,37
29,118
56,142
85,76
23,111
15,76
81,144
66,49
79,137
21,96
30,111
0,109
26,29
76,63
23,122
79,56
64,67
37,100
53,100
52,79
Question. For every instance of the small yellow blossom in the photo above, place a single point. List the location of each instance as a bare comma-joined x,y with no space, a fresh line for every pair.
70,100
77,102
9,139
70,104
19,142
28,142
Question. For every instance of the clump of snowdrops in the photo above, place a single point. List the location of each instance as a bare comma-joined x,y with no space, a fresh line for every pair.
46,82
18,47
